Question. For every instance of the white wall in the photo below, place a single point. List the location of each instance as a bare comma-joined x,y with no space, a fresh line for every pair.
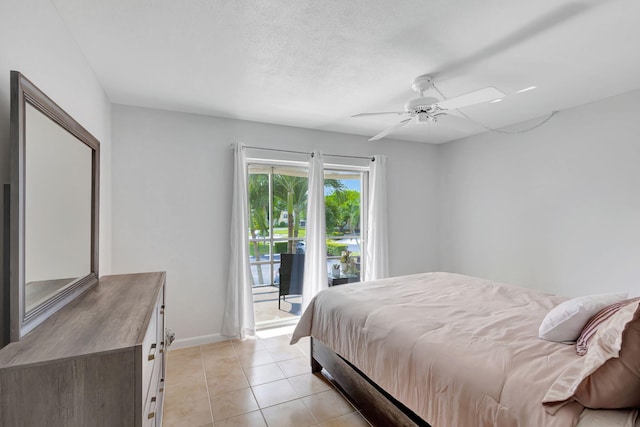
172,178
556,209
35,41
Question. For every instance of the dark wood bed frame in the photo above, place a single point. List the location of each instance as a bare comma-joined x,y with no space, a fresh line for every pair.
378,406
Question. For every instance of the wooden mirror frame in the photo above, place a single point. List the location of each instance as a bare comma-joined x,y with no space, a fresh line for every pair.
22,322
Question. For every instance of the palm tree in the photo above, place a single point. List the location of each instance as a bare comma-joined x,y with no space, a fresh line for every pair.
352,211
293,192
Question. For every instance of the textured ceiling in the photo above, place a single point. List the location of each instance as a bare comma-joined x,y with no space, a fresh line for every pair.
313,64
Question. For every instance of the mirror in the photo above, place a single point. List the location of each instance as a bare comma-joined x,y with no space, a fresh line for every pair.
54,208
57,209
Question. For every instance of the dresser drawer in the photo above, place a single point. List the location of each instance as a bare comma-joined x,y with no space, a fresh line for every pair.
159,372
150,353
160,331
152,414
153,352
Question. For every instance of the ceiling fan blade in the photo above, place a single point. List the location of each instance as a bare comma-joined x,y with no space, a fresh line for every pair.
476,97
399,113
523,33
391,129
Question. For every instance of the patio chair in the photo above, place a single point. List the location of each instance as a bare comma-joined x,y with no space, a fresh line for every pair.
291,274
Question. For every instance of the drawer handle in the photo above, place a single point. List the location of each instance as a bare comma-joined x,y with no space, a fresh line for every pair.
152,352
152,413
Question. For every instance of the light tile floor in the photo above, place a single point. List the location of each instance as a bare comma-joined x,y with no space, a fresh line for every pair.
253,383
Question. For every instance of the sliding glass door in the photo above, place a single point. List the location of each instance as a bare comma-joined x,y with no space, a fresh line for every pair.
277,212
277,225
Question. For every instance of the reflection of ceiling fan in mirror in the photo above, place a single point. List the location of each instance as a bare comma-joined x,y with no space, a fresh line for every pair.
425,109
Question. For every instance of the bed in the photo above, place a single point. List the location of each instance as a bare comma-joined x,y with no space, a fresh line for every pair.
443,349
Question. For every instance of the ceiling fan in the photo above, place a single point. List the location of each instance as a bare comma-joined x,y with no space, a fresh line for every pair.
424,109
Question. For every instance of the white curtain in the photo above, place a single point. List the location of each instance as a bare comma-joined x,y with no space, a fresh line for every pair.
238,320
315,259
377,261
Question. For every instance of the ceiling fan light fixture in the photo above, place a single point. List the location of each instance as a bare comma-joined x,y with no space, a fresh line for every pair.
423,117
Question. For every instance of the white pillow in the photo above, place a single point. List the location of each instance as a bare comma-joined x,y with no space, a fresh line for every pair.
565,321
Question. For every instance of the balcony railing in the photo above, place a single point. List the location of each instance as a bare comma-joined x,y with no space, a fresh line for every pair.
264,270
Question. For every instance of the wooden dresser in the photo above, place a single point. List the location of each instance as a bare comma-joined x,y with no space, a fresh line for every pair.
99,361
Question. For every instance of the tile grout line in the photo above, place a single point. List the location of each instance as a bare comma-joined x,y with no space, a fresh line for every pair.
355,408
206,383
285,378
309,410
299,396
250,386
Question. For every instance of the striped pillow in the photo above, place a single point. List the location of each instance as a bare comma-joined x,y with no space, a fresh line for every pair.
590,329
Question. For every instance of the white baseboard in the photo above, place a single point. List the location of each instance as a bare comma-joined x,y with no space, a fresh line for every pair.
268,329
194,341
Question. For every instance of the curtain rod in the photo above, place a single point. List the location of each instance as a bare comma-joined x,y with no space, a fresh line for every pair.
311,154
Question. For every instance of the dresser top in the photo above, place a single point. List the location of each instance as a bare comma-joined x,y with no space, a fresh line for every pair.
112,315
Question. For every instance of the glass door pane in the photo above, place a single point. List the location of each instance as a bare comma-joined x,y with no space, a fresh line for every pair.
290,210
343,200
259,229
277,225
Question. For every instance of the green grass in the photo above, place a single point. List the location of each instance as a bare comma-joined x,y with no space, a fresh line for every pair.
283,231
264,248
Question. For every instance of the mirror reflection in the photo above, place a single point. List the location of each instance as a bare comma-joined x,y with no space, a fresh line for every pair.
58,198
